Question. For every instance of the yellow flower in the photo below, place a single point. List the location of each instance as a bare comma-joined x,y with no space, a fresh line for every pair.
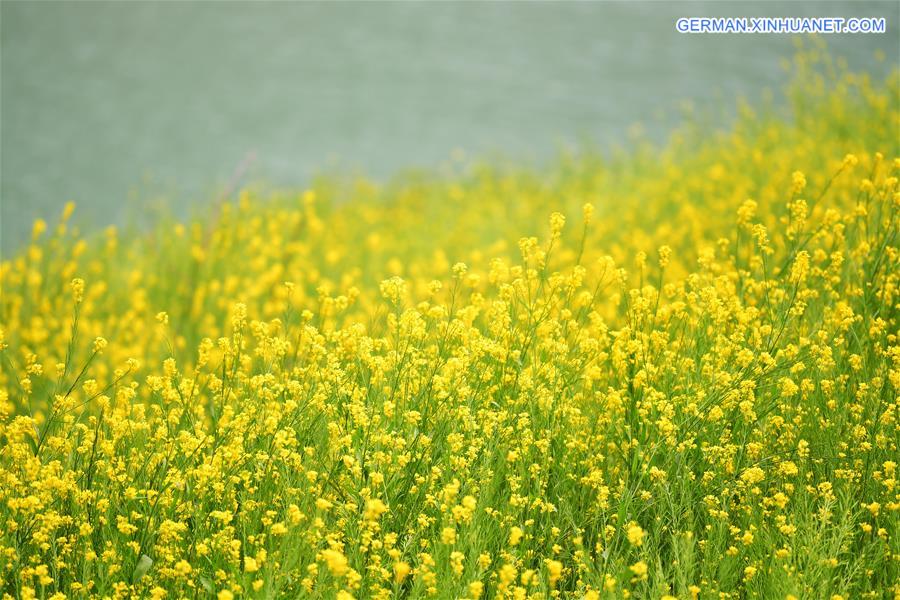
507,574
557,221
587,212
99,345
515,536
158,593
635,534
374,509
476,588
336,561
250,564
401,570
78,290
448,535
183,568
639,569
665,255
788,468
554,571
798,181
278,529
753,475
40,226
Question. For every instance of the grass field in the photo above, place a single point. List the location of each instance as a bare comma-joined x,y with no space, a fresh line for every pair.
662,372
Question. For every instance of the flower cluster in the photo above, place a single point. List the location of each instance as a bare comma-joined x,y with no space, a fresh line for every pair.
663,390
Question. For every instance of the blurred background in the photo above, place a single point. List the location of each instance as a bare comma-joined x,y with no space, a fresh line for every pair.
123,107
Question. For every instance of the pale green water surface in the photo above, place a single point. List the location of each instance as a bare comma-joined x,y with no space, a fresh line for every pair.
114,104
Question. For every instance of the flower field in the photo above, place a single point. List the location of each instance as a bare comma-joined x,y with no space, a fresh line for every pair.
665,372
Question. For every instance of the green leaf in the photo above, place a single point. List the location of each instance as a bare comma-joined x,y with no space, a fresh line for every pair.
142,567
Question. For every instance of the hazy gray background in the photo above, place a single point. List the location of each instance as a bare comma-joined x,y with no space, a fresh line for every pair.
114,105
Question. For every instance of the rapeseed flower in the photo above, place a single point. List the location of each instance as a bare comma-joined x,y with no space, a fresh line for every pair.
436,389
